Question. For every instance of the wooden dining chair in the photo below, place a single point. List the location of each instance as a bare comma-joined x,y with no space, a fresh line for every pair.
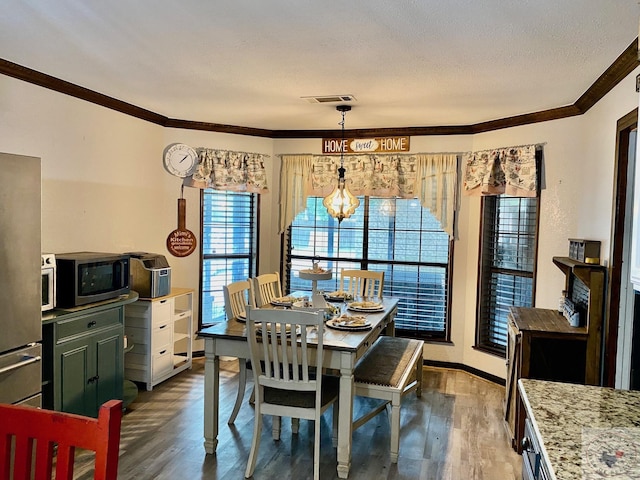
29,438
266,287
237,296
363,283
286,383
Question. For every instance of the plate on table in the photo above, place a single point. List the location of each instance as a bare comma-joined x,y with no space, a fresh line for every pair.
349,323
338,296
366,306
284,301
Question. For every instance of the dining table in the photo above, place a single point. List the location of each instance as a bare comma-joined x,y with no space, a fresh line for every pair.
342,350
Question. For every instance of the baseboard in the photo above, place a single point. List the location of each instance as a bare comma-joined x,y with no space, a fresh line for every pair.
468,369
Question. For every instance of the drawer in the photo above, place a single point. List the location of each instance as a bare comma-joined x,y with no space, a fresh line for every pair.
162,361
88,323
161,311
22,377
162,335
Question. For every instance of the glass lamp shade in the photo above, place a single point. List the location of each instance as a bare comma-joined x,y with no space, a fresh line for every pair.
341,203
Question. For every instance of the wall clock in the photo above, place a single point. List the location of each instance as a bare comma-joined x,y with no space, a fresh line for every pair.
180,159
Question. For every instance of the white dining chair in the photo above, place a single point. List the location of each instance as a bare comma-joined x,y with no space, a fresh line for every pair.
237,296
286,385
266,287
363,283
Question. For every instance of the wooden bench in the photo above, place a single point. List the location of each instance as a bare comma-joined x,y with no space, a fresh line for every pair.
390,369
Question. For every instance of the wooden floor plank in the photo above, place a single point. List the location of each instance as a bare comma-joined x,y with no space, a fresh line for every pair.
453,432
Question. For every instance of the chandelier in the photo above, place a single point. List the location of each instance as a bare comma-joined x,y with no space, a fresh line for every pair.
341,203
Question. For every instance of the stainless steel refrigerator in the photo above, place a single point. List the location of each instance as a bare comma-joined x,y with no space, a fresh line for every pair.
20,280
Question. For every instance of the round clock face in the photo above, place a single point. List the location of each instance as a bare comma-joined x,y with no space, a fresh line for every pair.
180,159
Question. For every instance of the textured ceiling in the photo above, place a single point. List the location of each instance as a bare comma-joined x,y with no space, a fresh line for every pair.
248,63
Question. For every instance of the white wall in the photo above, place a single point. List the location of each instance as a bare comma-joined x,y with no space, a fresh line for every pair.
104,189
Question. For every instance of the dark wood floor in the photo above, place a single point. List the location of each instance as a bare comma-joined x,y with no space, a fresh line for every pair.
453,432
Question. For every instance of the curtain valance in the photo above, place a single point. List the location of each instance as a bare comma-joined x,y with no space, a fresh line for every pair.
429,177
510,170
228,170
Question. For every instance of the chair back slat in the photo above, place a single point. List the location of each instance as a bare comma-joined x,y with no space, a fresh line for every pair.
38,433
237,296
284,357
362,283
266,287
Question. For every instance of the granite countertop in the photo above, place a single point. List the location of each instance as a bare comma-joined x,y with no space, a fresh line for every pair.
585,432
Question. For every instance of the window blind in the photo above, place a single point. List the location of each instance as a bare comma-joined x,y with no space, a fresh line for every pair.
229,231
509,242
396,236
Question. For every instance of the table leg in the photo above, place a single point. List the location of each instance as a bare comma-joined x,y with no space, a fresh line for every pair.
345,427
211,396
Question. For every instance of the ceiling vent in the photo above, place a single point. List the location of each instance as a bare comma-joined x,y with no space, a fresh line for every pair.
330,98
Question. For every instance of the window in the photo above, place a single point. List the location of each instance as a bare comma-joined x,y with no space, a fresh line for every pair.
507,266
228,250
396,236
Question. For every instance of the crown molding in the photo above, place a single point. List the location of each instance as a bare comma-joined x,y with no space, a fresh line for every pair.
619,69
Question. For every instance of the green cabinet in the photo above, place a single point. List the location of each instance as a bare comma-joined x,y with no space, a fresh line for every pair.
83,364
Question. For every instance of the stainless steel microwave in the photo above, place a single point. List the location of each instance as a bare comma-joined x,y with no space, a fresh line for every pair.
89,277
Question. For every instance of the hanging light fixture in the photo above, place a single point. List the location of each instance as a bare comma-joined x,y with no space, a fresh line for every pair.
341,203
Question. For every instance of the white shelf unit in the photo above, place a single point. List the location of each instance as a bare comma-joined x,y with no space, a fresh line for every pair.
160,331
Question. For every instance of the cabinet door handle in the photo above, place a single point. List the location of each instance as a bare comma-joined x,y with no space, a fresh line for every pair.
93,379
163,352
163,326
92,323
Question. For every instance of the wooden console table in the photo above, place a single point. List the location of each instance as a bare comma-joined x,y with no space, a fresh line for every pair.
542,345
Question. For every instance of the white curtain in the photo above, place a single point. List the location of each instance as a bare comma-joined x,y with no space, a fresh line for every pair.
437,186
295,176
432,178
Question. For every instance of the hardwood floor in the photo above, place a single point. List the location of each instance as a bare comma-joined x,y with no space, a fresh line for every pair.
453,432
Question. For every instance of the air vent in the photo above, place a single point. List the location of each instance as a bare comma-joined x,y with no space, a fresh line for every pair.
330,98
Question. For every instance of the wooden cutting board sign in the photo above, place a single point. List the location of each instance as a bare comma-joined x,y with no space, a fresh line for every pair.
181,242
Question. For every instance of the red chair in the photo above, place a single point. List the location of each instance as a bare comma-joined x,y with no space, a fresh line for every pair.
25,426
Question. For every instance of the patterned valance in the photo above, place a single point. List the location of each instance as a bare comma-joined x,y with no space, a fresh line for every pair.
511,171
227,170
390,175
429,177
